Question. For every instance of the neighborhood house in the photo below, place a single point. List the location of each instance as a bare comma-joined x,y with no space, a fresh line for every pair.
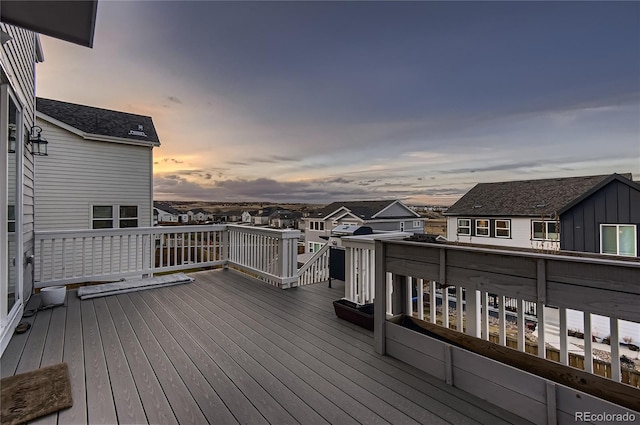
98,173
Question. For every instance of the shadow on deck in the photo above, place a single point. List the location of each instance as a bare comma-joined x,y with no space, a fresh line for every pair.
230,349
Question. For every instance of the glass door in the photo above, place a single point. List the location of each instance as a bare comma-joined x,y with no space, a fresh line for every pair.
10,177
11,204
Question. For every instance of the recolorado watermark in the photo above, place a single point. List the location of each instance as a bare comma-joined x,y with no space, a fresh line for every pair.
604,417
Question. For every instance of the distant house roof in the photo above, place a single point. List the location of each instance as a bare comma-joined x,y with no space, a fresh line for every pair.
166,207
365,210
93,123
531,198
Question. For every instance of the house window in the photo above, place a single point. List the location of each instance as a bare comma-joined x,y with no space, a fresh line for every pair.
11,222
102,217
482,227
545,230
321,224
402,226
114,216
314,246
618,239
416,224
503,228
128,216
464,226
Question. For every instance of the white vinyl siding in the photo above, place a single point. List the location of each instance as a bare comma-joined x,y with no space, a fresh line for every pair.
80,173
520,229
618,239
17,60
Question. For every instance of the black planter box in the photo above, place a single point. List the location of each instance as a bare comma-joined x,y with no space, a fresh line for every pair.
361,315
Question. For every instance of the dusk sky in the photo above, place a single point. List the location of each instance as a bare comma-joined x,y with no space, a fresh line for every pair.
316,102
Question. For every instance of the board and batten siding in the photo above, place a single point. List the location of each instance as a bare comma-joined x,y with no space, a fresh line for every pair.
79,173
19,57
520,234
616,203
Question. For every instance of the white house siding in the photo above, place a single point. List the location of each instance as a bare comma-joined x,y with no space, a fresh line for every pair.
18,57
18,61
80,173
520,235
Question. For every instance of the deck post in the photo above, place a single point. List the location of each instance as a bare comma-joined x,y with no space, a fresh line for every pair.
225,248
380,301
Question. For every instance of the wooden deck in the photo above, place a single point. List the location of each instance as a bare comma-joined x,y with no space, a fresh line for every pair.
230,349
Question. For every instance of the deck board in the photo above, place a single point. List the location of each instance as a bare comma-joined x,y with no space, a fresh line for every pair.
100,403
205,396
182,403
73,355
372,398
324,356
270,356
241,407
363,351
156,406
230,349
125,394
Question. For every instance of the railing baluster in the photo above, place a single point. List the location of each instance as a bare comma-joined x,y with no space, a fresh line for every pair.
445,307
485,315
614,343
521,324
408,307
502,318
459,308
432,302
541,327
564,352
420,303
588,343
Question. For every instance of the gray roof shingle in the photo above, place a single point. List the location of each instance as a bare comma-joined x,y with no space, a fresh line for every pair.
103,122
363,209
531,198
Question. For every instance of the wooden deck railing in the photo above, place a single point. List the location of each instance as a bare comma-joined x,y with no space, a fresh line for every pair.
66,257
607,287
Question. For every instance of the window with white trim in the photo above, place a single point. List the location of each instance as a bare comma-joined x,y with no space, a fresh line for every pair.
618,239
102,217
114,216
545,230
416,224
402,226
503,229
464,226
482,227
128,217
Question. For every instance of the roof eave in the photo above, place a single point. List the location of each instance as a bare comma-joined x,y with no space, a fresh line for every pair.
96,137
72,21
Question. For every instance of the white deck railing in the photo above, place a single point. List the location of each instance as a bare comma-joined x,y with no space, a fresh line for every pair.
269,254
360,265
539,285
316,269
75,256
